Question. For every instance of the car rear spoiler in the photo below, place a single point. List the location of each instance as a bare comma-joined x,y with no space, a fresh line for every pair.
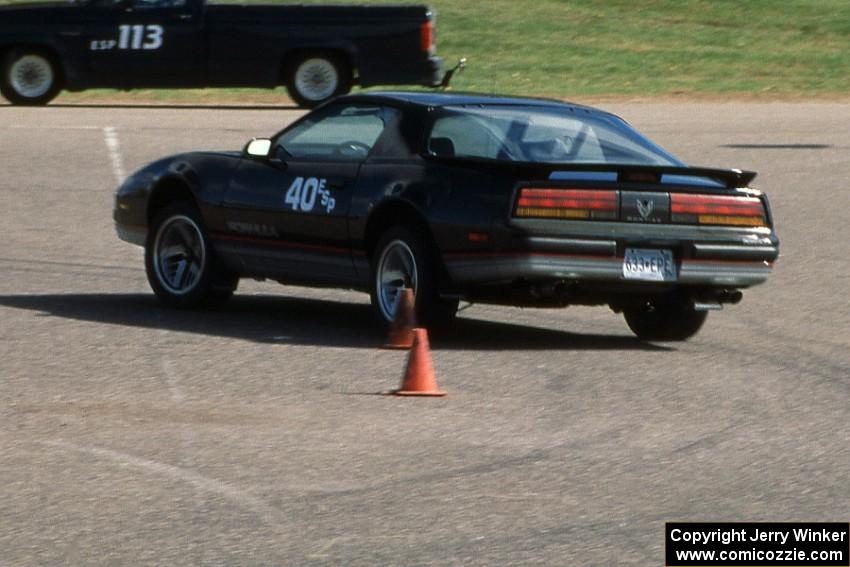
730,178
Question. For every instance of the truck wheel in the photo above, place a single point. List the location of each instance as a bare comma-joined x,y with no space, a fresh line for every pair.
315,78
402,260
30,77
181,266
664,320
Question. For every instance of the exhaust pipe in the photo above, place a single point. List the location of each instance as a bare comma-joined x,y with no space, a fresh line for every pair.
716,300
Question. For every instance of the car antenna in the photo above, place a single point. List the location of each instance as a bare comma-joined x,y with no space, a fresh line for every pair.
461,65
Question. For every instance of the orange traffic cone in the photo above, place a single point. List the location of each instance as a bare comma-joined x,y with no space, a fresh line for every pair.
419,378
401,329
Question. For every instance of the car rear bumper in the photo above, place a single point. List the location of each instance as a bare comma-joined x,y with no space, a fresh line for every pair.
578,260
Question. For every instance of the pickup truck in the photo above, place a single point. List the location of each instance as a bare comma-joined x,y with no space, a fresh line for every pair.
317,51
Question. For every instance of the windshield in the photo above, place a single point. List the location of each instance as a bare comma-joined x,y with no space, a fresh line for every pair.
541,135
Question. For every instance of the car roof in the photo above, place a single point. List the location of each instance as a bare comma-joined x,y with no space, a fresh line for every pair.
434,99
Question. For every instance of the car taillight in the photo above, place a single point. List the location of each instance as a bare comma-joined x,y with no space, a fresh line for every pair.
567,203
717,210
426,37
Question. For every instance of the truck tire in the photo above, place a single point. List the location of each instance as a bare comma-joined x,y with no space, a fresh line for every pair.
30,77
313,78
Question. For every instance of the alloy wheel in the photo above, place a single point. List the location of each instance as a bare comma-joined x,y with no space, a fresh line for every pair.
180,255
396,272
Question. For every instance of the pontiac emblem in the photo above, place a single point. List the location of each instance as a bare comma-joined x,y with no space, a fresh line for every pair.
645,208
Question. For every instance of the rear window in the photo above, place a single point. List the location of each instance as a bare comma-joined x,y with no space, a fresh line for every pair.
541,135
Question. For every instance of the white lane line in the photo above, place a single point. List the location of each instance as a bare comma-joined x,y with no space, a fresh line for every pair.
172,377
110,136
322,552
173,380
267,513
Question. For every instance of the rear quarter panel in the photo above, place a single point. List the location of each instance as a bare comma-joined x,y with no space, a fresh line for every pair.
453,200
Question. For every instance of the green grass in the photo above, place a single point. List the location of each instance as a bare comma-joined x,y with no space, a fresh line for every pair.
650,47
592,48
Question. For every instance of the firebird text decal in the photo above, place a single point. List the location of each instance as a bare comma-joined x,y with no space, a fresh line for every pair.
303,194
252,229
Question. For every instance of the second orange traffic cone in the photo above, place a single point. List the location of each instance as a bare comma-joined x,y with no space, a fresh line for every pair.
419,377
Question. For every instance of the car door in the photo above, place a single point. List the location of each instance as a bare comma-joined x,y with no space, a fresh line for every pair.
288,213
146,43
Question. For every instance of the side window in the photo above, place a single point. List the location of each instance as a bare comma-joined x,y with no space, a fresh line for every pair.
464,136
343,134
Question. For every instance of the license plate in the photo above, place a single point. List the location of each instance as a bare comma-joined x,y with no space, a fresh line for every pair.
649,265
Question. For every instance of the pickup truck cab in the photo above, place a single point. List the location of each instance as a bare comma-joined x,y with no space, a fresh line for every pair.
317,52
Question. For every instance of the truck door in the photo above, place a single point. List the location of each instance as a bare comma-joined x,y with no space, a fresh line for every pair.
289,214
147,43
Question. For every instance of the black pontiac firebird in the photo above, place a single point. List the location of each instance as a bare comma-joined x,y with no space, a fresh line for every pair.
488,199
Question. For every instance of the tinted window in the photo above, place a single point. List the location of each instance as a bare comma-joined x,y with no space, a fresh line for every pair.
544,135
343,133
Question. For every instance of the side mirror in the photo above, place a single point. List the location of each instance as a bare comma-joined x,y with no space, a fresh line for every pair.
258,148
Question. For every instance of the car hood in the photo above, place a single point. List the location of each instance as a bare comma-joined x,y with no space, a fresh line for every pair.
207,154
178,162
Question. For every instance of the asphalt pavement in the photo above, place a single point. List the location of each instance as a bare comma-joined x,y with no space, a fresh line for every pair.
255,435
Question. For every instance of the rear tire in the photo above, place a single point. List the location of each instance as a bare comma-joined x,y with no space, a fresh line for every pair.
30,77
403,259
664,320
314,78
181,266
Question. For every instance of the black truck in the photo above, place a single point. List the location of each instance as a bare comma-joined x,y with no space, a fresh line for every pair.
317,51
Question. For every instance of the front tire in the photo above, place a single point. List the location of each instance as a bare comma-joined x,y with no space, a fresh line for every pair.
664,320
181,266
30,77
316,77
402,259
